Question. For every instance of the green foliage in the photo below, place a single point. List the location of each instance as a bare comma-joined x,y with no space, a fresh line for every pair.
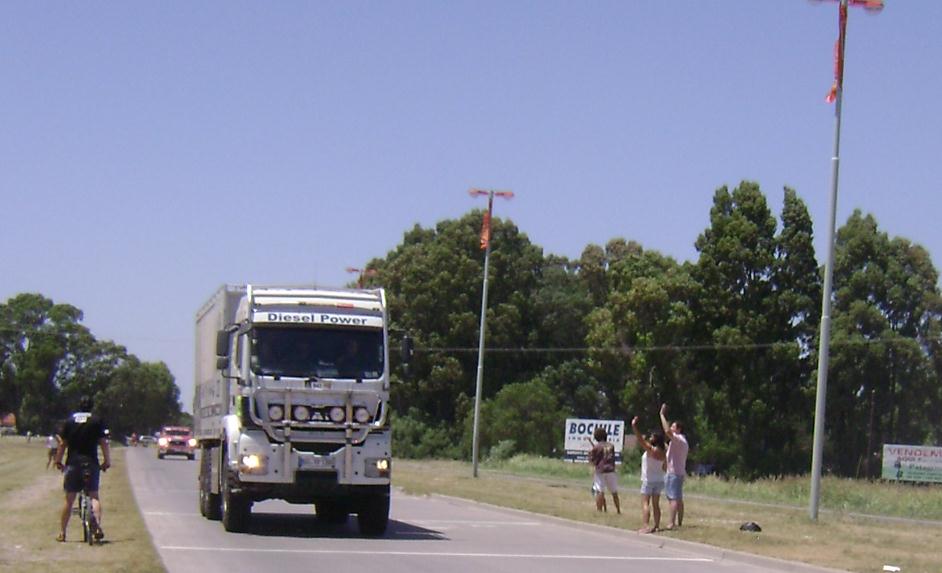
503,450
48,360
414,438
884,386
752,318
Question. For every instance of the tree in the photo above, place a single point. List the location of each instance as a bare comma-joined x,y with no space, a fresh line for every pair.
751,318
883,385
526,413
141,397
634,337
433,282
37,338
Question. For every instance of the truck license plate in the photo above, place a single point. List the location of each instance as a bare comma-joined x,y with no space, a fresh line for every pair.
314,462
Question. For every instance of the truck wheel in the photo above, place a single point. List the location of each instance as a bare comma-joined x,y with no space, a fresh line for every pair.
332,512
209,501
374,515
236,509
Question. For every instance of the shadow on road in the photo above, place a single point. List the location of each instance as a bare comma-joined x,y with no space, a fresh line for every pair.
309,526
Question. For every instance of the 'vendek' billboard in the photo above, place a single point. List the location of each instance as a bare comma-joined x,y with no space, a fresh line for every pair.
912,463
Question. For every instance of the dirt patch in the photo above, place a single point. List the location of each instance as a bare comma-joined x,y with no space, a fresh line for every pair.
33,492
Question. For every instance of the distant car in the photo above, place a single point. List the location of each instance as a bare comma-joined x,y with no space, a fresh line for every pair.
146,440
176,440
7,431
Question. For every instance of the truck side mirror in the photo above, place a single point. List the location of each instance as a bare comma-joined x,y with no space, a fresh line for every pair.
408,349
222,363
222,343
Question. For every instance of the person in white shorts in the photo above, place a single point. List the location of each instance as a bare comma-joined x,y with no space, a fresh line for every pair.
602,458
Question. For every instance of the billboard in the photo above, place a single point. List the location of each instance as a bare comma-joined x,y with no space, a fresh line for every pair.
912,463
579,431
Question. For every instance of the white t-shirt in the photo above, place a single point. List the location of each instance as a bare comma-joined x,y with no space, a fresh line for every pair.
677,455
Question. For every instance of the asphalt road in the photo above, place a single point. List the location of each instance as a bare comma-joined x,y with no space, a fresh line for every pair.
425,534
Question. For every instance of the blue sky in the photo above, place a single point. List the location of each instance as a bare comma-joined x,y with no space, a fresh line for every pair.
151,152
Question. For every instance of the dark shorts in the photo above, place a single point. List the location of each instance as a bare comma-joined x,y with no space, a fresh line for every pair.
74,479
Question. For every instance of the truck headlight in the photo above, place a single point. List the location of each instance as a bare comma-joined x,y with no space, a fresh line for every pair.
252,464
377,467
192,442
362,415
302,413
337,414
276,413
162,442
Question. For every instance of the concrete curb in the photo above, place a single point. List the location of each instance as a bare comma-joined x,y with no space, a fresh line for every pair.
718,554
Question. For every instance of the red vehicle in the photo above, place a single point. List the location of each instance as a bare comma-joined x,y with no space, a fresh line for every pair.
176,440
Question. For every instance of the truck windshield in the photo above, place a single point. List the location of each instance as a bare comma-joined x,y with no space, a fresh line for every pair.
317,352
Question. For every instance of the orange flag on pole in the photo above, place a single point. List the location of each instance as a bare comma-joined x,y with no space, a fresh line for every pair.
486,230
839,56
870,6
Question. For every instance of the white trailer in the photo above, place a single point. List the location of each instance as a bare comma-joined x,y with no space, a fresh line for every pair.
292,402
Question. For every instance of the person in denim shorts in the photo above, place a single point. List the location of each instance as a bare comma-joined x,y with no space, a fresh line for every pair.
653,464
677,449
81,435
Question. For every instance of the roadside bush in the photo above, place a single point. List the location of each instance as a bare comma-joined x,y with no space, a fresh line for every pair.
414,438
504,450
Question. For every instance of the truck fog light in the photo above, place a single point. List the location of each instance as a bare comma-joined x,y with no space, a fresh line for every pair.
337,414
377,467
276,413
252,463
362,415
302,413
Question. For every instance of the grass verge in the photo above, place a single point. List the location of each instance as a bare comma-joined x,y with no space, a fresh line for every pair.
32,497
839,539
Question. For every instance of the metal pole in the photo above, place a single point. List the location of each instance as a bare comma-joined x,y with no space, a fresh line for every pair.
480,376
824,347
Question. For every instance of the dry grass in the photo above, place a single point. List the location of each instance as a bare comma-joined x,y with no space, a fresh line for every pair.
836,540
32,499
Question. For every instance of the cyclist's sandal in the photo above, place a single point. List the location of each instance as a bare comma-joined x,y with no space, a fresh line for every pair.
99,534
60,537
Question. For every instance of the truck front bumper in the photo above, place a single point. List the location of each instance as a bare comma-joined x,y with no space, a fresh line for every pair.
259,461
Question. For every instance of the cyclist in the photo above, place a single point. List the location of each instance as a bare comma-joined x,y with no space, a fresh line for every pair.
82,434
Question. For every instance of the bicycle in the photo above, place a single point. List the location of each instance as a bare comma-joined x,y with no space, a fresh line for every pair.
91,533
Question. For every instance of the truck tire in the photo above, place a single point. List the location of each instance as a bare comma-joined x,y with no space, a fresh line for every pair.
332,512
374,515
236,509
209,501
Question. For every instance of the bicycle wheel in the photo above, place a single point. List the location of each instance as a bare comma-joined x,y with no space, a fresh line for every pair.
84,512
91,526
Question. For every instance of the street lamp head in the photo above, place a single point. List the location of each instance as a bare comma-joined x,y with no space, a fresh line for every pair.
485,192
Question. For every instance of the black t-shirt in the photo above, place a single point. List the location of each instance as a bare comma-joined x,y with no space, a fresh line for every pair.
81,433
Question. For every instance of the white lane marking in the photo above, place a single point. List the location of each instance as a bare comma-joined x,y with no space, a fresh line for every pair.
471,522
170,513
436,554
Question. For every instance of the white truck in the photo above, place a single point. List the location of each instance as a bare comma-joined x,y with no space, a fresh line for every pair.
292,402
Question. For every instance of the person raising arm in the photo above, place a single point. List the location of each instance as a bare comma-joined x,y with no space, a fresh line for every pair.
653,461
677,449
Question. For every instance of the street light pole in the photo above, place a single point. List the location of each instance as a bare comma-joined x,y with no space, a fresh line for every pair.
837,96
479,383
